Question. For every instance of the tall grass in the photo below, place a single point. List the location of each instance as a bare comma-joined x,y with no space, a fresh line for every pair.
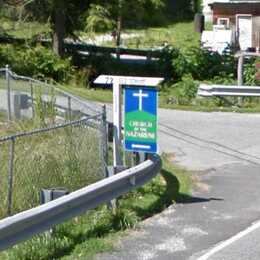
98,230
21,29
180,35
67,158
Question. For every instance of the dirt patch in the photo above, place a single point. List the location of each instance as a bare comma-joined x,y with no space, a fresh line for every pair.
198,184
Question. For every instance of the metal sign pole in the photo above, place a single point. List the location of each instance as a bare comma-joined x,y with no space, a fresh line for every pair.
117,121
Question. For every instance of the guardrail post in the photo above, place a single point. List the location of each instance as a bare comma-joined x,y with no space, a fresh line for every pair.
112,203
10,177
8,91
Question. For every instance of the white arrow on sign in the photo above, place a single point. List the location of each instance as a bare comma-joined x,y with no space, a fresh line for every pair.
140,146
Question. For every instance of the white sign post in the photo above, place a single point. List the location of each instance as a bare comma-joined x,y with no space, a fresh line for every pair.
117,123
117,82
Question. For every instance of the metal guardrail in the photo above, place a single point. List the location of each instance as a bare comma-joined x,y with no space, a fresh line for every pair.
34,221
221,90
24,225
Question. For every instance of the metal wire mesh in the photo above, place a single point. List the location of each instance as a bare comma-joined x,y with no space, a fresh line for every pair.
51,140
68,157
3,94
24,98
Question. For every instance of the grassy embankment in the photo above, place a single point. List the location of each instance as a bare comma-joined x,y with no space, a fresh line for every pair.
98,230
67,157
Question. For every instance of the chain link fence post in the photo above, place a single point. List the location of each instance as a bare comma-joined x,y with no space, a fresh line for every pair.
10,177
32,99
69,112
8,91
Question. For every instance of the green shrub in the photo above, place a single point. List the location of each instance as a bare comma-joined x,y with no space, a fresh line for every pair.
98,19
200,63
204,64
83,76
184,91
172,63
250,72
38,62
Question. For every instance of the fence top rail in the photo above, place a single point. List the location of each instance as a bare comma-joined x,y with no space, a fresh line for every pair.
24,78
48,129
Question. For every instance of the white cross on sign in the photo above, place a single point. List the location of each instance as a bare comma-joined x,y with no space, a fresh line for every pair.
140,95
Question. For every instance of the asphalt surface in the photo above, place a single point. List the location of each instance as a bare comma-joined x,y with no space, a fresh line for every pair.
223,151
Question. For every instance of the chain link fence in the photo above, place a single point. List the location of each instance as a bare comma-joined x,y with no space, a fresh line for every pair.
26,98
48,139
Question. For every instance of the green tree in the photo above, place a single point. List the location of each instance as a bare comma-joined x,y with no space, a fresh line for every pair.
120,13
67,15
64,16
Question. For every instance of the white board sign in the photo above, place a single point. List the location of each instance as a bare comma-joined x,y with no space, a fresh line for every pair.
125,80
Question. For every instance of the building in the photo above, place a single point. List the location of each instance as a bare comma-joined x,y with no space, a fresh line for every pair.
207,11
242,17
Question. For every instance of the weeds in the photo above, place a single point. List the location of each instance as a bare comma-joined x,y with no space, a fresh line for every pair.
64,158
97,231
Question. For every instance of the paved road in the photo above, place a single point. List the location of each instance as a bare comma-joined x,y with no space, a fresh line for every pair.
224,151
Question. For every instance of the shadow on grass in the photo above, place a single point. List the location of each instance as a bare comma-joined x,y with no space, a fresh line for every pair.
170,195
167,197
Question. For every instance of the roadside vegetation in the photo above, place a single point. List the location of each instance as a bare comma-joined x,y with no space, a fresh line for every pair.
183,65
168,27
181,35
68,157
98,230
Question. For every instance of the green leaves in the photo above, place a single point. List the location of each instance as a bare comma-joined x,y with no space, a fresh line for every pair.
98,19
38,62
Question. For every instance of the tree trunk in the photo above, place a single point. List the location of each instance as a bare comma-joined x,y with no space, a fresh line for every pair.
119,28
59,30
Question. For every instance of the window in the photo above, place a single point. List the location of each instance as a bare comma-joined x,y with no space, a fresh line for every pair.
224,21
